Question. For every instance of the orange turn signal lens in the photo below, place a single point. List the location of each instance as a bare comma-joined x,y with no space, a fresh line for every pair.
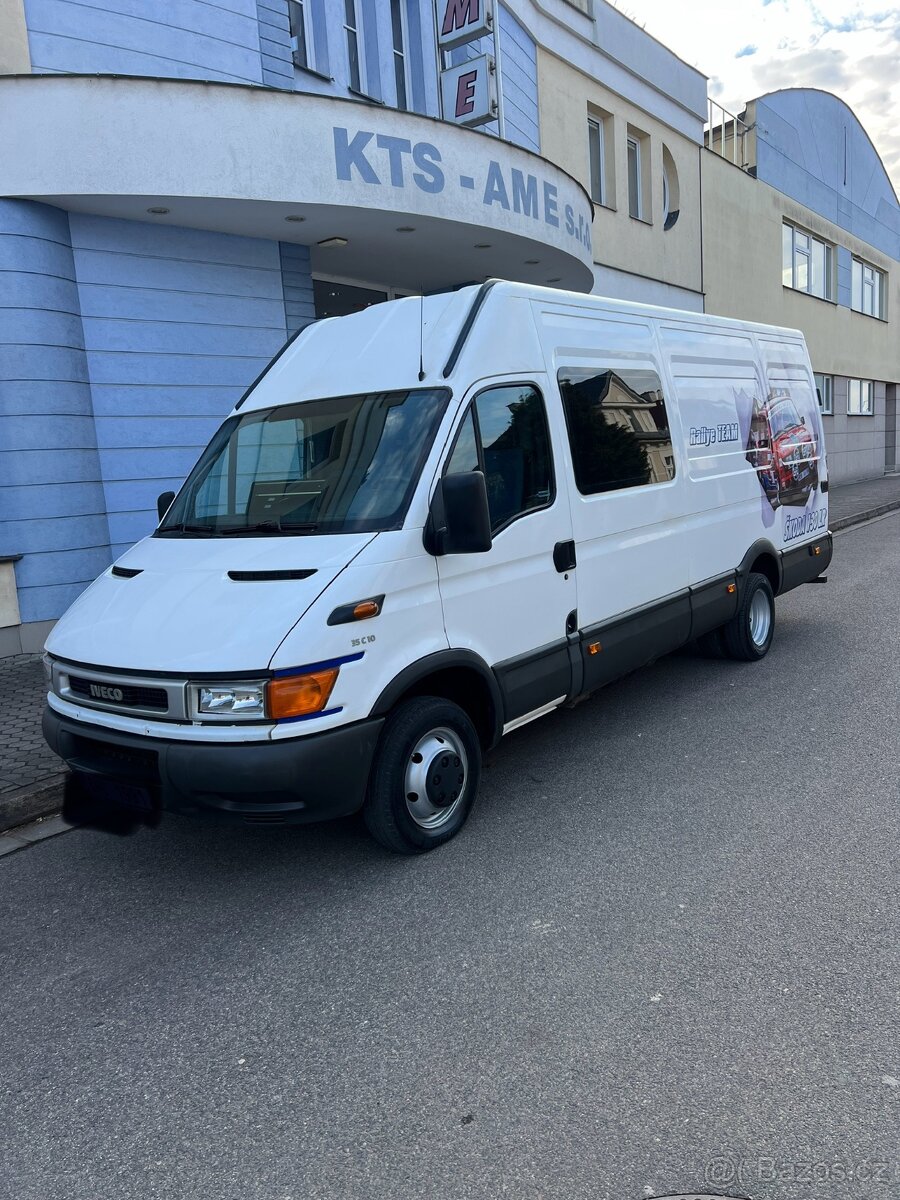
366,609
300,695
731,589
594,648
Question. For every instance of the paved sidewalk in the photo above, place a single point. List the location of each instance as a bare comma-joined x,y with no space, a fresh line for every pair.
31,774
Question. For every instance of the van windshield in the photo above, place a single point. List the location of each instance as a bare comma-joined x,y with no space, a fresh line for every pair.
344,465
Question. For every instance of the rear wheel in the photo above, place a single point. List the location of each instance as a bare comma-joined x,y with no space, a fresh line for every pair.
748,635
425,776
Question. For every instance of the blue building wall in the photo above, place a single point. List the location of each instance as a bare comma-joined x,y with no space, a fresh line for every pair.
811,146
296,280
123,344
51,496
275,43
177,324
183,39
518,59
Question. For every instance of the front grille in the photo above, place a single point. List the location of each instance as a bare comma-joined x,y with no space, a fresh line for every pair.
132,696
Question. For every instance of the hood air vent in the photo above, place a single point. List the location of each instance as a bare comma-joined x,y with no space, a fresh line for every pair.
260,576
127,572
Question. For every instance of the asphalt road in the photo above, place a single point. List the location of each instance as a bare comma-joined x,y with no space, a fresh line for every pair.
663,956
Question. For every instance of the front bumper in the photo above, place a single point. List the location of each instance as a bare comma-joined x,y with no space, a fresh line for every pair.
310,778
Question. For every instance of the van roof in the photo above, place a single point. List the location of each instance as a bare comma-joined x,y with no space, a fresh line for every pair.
419,341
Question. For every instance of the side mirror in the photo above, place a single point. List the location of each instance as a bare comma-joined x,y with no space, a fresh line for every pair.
459,521
163,503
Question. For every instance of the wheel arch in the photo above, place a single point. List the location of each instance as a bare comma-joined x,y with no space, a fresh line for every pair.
460,676
762,557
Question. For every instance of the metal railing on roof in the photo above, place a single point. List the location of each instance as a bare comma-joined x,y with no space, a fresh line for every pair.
727,135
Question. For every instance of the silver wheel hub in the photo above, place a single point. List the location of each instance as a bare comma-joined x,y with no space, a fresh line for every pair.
435,779
760,618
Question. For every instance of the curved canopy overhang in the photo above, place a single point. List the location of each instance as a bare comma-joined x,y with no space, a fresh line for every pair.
422,204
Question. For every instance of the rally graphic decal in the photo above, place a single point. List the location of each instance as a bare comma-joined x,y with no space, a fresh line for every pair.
782,447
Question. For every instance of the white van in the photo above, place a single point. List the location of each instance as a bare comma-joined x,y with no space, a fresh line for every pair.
425,525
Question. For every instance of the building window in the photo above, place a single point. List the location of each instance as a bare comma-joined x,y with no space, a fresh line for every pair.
861,398
807,263
505,435
302,42
597,151
671,192
618,428
867,289
400,41
825,392
635,183
355,52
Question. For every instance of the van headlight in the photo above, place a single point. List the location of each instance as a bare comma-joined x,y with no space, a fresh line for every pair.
285,698
247,700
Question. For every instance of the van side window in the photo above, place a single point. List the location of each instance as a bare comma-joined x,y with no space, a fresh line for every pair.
618,428
505,435
465,453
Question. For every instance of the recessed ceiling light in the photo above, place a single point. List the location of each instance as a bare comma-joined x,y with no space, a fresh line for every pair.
294,217
406,229
532,262
158,211
482,245
333,241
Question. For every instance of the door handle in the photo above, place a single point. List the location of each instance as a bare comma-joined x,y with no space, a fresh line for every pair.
564,556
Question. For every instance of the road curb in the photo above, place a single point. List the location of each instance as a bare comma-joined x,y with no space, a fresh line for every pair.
868,515
26,804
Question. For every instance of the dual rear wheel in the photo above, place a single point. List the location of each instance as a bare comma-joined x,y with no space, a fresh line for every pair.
748,635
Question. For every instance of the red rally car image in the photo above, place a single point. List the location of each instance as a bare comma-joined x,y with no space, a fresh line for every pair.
783,451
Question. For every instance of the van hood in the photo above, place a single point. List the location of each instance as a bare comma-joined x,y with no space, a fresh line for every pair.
183,612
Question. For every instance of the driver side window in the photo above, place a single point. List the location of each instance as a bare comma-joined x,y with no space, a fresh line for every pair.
505,436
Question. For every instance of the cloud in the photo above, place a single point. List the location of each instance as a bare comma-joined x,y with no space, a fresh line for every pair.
821,67
746,52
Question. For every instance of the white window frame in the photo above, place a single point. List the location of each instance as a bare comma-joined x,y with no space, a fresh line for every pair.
825,392
597,124
358,33
862,403
867,281
800,246
636,201
402,54
304,8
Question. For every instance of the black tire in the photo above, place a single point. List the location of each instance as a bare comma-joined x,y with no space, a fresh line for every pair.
748,635
444,779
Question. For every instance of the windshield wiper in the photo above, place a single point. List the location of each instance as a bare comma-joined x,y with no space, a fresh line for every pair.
182,527
274,527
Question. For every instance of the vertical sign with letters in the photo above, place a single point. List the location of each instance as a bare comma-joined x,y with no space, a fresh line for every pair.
462,21
469,90
468,94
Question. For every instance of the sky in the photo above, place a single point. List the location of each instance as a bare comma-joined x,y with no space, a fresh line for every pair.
758,46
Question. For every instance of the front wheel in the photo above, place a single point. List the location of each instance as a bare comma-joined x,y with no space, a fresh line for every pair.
425,776
748,635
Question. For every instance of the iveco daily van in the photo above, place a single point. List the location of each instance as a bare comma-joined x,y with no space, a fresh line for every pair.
426,524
